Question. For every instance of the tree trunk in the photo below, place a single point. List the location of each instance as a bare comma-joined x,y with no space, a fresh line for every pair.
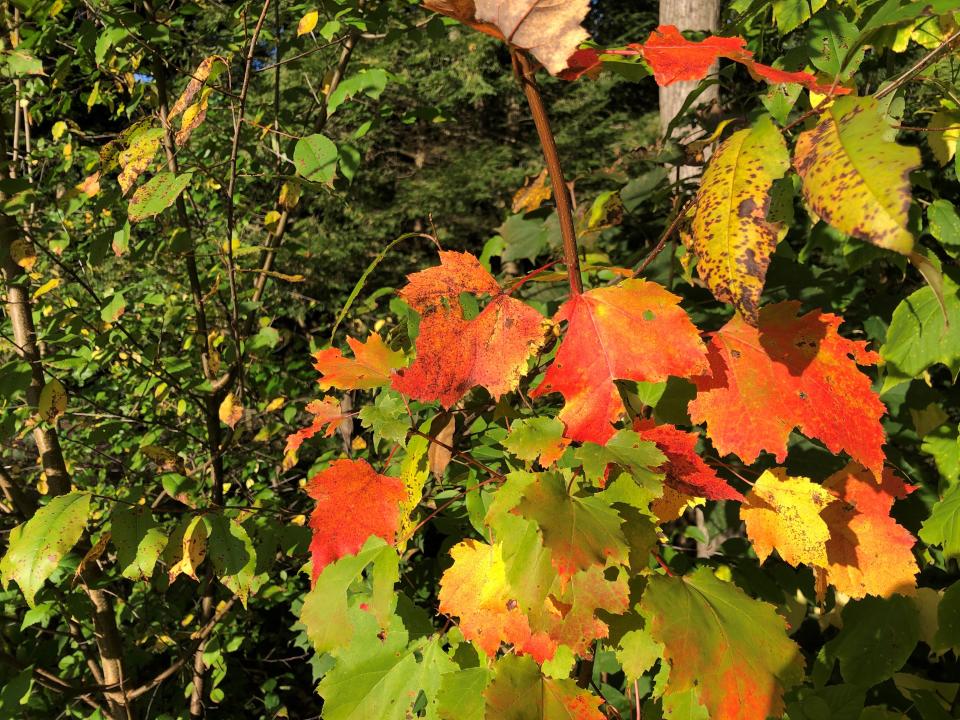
687,15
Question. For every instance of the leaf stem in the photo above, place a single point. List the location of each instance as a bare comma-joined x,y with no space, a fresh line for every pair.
525,76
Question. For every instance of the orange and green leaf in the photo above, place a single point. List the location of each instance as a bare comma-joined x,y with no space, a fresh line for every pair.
354,502
372,365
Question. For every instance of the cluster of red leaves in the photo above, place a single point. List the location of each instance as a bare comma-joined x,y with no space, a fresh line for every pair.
673,58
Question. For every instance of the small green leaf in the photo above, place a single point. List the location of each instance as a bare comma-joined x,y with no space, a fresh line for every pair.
461,694
18,63
877,638
233,556
316,158
537,438
157,195
918,336
36,547
371,82
112,311
943,525
387,417
138,539
945,225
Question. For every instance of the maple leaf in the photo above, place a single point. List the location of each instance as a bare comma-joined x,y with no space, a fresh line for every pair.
475,590
519,691
372,365
374,509
854,178
549,29
571,619
537,438
455,354
734,650
783,513
617,333
673,58
731,234
580,532
868,552
789,372
685,471
327,415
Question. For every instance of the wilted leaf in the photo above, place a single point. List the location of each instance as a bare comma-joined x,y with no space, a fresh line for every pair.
533,194
789,372
208,69
53,400
193,117
732,236
549,29
231,411
187,548
374,503
854,178
732,649
617,333
137,156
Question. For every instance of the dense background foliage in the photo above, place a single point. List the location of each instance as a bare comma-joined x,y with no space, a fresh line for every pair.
172,355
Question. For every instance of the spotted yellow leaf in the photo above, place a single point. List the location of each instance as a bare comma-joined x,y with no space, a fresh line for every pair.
854,178
782,513
732,237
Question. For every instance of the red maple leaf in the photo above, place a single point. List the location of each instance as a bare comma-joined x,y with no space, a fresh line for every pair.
673,58
327,415
455,354
686,472
353,502
789,372
633,331
868,552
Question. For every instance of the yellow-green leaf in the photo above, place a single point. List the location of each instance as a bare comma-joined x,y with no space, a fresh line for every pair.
854,178
137,156
53,400
731,234
944,131
35,548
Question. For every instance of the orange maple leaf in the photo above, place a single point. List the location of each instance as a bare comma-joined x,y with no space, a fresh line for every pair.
633,331
372,364
327,415
455,354
353,502
789,372
868,552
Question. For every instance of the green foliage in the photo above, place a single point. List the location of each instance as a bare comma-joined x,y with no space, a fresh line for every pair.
170,550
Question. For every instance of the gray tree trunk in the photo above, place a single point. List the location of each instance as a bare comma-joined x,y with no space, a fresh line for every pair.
686,15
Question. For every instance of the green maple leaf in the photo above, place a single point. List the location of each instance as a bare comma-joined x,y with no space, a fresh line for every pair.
717,639
580,532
